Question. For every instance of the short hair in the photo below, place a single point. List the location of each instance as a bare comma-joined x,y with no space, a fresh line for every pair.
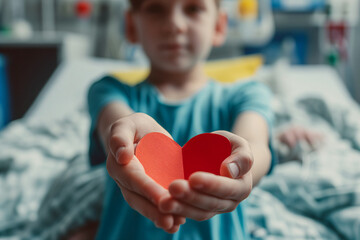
135,4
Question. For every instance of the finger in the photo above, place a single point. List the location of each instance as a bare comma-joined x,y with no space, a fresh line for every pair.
310,139
299,134
222,187
163,206
179,220
121,142
314,139
173,230
174,206
128,131
132,176
241,159
148,210
237,164
181,190
289,139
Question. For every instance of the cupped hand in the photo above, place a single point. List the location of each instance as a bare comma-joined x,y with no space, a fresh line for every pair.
140,191
204,195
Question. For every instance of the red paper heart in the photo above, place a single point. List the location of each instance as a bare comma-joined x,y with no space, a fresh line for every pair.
164,160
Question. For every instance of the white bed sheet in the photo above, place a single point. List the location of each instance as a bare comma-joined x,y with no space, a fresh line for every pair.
312,80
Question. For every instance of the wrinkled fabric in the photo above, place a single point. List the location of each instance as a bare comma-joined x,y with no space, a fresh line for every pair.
315,198
46,185
318,195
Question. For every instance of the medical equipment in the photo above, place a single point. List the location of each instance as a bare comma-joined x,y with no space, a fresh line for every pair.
48,17
250,22
299,5
13,21
342,19
4,96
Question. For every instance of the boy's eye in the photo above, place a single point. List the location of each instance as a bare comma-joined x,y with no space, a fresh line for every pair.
193,8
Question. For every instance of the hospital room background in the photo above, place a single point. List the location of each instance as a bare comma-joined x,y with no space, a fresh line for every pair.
306,51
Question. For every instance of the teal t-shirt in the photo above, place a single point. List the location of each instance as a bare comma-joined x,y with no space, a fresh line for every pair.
215,107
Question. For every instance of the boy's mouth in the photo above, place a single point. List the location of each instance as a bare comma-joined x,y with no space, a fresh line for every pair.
172,47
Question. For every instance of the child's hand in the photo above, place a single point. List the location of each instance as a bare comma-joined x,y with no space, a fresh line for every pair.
295,134
204,194
139,190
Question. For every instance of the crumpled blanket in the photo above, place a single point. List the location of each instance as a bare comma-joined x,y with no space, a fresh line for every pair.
47,188
322,190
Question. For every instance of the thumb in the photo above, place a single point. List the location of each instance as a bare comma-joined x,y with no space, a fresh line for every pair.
241,159
236,165
124,154
121,141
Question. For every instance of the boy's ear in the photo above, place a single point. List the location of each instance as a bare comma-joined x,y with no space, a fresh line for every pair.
220,29
130,30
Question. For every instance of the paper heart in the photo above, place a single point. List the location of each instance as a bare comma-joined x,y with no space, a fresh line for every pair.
164,160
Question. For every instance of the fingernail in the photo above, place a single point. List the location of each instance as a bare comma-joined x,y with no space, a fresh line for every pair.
117,155
156,224
234,169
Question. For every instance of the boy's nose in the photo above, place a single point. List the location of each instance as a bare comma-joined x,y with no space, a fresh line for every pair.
176,22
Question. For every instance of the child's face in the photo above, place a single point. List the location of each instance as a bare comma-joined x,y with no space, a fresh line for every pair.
176,34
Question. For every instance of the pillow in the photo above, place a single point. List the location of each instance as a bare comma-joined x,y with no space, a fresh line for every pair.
227,70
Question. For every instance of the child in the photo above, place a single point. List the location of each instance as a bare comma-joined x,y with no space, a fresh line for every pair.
179,100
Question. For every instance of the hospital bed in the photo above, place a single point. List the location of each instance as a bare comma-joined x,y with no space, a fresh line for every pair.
47,188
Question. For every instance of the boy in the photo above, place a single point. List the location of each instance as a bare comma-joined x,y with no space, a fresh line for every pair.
179,100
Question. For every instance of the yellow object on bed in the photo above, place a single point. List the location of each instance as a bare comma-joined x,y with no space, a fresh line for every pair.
226,71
